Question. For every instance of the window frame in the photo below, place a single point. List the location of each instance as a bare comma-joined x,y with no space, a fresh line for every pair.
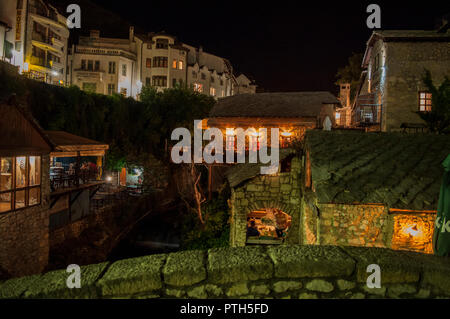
13,190
425,99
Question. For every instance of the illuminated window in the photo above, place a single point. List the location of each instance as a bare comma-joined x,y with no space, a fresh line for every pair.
212,91
123,91
230,139
425,101
180,65
174,64
20,180
148,62
198,87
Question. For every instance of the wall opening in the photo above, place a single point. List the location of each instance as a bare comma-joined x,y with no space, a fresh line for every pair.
267,226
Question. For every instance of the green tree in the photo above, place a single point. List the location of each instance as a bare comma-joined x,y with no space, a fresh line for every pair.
438,119
351,73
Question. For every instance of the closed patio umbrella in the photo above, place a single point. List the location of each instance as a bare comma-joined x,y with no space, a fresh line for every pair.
441,235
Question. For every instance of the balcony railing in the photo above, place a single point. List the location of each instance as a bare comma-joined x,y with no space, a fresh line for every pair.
366,111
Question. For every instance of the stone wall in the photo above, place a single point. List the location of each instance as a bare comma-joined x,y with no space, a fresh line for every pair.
24,244
280,191
405,65
286,272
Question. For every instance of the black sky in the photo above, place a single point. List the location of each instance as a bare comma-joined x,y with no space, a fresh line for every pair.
284,46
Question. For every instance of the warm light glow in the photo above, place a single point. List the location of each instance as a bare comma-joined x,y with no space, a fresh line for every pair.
25,67
412,230
54,73
287,134
230,131
109,179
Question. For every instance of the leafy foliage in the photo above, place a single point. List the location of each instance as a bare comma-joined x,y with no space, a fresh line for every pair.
351,73
216,230
133,129
438,119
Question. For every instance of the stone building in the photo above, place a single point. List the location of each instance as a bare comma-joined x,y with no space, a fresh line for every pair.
344,188
371,189
24,193
292,113
34,39
391,90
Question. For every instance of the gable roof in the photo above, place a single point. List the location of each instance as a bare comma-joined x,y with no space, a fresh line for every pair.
286,104
67,142
398,170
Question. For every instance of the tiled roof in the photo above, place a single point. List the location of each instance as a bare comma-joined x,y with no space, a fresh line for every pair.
399,170
286,104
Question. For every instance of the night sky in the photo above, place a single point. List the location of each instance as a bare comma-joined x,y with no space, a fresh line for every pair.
284,46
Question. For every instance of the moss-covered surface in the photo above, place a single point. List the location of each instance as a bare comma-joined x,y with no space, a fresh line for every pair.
398,170
185,268
310,261
238,264
133,276
53,284
249,272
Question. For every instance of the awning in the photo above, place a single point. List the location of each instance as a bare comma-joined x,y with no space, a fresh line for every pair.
70,145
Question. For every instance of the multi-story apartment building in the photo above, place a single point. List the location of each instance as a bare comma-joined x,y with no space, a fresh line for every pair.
107,65
392,91
104,65
34,39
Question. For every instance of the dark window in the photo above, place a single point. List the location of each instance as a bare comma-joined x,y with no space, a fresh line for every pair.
160,81
97,65
83,64
147,81
203,76
90,65
160,62
112,68
174,82
162,44
286,164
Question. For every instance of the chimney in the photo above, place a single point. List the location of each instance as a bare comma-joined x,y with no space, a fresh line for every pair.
94,34
131,33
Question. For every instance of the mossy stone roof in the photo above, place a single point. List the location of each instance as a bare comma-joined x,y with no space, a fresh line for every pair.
398,170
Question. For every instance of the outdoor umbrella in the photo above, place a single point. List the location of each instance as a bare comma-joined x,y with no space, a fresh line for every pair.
441,236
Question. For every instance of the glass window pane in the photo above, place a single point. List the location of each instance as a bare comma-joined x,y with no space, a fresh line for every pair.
422,95
20,199
34,196
5,202
5,173
35,170
428,95
21,173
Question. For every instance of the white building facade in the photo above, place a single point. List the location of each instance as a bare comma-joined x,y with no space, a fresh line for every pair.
34,37
124,66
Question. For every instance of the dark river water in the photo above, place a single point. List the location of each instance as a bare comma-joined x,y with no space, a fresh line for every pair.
157,233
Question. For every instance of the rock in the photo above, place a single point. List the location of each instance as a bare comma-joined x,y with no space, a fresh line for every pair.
395,291
319,285
260,289
375,291
305,295
423,293
198,292
131,276
237,290
228,265
310,261
345,285
358,295
185,268
282,286
175,292
213,290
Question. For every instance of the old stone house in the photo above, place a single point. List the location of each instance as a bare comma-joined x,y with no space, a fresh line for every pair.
345,188
292,113
391,91
371,189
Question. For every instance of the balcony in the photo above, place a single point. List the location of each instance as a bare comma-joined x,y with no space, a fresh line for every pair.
366,111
